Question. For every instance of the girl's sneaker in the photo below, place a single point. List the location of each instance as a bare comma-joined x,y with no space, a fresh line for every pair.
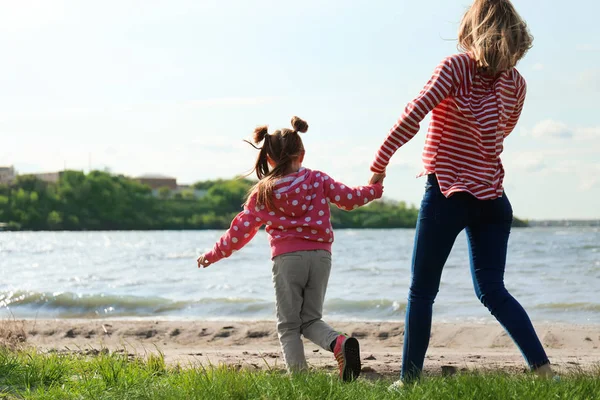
347,354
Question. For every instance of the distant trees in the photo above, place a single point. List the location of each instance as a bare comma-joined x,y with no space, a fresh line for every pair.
94,201
102,201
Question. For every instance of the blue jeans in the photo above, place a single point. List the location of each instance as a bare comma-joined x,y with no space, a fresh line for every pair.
487,223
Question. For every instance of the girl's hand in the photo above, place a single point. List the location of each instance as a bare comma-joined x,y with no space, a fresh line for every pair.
203,262
377,178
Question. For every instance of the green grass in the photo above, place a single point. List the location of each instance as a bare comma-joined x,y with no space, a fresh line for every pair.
32,375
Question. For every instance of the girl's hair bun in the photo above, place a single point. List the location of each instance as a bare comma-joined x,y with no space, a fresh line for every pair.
299,125
260,133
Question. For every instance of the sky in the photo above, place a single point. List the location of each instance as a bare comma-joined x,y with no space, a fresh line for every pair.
173,87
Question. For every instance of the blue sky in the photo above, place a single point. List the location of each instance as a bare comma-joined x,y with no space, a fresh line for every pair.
173,87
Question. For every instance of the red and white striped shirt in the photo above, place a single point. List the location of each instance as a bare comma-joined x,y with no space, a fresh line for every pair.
472,114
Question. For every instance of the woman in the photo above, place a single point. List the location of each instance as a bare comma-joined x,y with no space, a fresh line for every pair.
476,99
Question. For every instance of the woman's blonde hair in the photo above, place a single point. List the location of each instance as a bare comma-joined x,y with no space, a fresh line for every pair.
494,34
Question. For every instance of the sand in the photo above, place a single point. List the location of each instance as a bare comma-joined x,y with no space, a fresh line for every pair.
254,344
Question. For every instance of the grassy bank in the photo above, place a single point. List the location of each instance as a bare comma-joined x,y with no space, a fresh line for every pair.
103,375
102,201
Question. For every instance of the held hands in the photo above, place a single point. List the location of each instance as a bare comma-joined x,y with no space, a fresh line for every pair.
377,178
203,262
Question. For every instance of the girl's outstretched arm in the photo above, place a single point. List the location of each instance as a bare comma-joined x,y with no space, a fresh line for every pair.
435,91
350,198
243,228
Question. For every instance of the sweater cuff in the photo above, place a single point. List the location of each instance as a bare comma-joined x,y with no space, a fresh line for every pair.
378,187
212,256
376,169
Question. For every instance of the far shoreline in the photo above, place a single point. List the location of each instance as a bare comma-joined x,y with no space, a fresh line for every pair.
531,224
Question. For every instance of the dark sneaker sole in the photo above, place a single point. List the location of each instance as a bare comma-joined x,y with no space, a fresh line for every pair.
351,351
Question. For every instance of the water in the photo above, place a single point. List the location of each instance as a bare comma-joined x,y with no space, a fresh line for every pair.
553,272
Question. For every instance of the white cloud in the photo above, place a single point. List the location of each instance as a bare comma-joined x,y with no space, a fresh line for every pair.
150,107
574,164
553,129
230,101
31,15
589,179
591,182
538,67
587,47
559,130
589,79
527,161
589,133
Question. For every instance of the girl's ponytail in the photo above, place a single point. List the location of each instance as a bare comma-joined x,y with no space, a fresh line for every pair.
299,124
260,133
280,149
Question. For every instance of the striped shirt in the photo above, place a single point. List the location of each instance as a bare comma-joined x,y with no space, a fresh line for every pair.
472,114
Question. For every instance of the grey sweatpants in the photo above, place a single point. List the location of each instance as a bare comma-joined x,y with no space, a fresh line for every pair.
300,280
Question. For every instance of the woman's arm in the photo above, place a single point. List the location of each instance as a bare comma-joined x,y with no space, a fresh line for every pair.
435,91
514,118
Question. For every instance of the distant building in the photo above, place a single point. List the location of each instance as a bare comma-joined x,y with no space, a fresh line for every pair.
197,193
158,181
50,177
7,175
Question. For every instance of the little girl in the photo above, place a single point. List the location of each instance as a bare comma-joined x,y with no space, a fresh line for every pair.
293,203
476,99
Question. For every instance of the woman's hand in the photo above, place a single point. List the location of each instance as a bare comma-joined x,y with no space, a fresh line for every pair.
203,262
377,178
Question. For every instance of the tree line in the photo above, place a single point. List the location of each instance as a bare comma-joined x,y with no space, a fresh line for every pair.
103,201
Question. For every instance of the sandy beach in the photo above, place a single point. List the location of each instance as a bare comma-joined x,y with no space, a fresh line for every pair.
254,344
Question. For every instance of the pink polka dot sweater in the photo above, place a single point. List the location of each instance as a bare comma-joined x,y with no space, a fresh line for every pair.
301,220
